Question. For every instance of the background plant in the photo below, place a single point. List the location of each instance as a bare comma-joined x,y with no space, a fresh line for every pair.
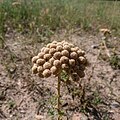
30,16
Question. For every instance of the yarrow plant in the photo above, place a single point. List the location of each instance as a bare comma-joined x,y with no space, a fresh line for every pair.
56,57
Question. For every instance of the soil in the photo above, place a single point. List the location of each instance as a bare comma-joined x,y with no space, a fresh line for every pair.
24,96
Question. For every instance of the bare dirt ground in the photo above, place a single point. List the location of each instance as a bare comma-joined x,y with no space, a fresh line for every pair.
23,95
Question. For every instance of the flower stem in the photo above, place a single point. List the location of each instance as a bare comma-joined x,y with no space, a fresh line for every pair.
58,102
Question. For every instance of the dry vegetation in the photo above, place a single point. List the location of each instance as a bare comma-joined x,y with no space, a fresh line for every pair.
27,26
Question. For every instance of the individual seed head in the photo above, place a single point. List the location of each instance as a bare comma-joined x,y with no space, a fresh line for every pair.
54,42
57,63
54,70
34,59
40,61
64,59
59,48
65,43
46,73
67,47
71,45
47,56
51,60
72,70
41,55
76,68
46,50
65,53
40,69
42,50
82,60
53,45
79,52
40,75
47,65
65,66
52,51
82,67
83,52
72,62
73,55
81,73
59,44
34,69
57,55
75,77
74,49
48,45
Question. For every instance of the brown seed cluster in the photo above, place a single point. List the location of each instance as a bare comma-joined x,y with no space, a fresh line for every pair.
57,56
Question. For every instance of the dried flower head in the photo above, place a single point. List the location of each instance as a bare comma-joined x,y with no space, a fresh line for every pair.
54,42
34,69
47,65
65,53
82,60
42,50
59,48
73,55
53,45
52,51
40,61
72,62
66,47
40,69
34,59
64,59
58,56
47,56
65,67
51,60
46,50
74,49
54,70
41,55
46,73
57,63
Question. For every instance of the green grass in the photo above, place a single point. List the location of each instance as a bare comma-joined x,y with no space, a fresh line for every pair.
30,16
115,61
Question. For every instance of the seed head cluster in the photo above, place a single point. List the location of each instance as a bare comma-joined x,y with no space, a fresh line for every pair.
57,56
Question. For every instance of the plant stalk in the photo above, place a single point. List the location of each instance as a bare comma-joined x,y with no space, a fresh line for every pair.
58,102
